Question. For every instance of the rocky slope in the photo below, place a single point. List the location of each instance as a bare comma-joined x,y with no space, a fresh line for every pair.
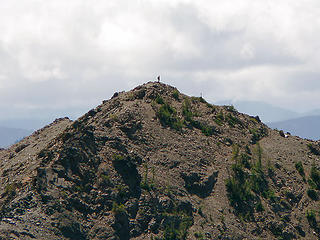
153,163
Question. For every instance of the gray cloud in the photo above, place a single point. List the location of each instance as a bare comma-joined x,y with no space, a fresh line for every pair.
57,56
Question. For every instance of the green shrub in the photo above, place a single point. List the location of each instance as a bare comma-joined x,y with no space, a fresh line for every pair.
240,196
175,94
46,155
186,112
210,106
258,181
270,168
300,169
313,194
146,184
232,120
245,186
198,235
259,207
105,180
177,226
113,117
168,117
122,191
314,180
207,130
10,190
231,108
313,149
258,151
248,151
258,178
270,195
21,147
254,120
311,217
219,119
201,99
117,157
159,100
245,160
198,99
238,186
118,208
257,134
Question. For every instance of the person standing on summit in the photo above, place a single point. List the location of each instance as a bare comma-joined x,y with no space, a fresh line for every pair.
158,78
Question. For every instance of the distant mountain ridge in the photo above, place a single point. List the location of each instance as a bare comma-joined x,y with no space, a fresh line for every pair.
301,124
305,127
9,136
267,112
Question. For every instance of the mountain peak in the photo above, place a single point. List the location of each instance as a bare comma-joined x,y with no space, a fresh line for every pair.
155,163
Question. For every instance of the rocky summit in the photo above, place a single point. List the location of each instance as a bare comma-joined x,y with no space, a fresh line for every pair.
153,163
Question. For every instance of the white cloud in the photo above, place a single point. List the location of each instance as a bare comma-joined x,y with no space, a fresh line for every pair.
73,54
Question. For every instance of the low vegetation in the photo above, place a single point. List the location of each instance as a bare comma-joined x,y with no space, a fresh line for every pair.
247,183
175,94
313,194
177,224
206,129
146,183
118,208
313,149
219,119
257,134
232,120
165,181
314,180
10,190
300,169
231,108
168,115
311,217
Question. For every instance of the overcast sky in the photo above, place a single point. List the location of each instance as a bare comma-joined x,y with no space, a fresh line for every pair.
65,57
